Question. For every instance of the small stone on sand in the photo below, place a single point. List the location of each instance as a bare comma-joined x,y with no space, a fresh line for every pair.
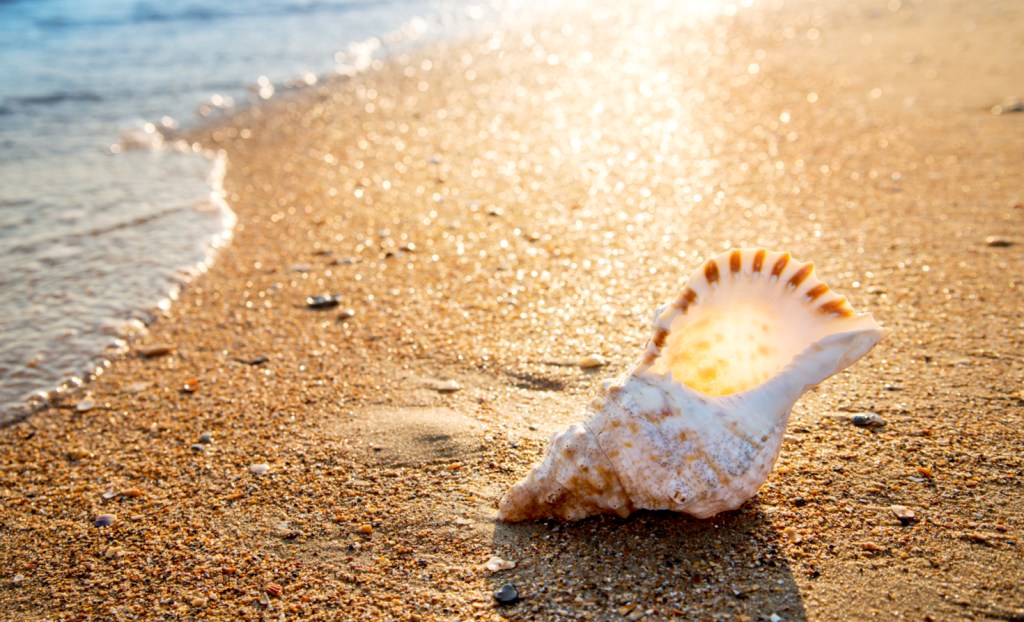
996,241
323,302
905,515
447,386
507,595
1009,106
592,361
85,405
259,469
104,520
867,420
155,350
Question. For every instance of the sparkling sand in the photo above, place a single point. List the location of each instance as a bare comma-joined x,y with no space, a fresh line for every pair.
493,211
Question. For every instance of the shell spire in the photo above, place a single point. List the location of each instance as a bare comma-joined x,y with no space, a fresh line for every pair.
697,425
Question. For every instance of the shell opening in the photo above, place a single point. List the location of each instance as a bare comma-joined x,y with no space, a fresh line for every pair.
742,318
728,350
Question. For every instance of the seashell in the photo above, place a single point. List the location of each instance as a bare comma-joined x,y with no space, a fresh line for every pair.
697,424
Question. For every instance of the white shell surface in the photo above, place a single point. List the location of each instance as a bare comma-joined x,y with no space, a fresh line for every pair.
697,425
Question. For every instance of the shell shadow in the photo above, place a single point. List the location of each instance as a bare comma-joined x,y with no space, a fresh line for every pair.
651,566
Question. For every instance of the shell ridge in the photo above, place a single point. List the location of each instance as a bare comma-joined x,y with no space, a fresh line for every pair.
614,469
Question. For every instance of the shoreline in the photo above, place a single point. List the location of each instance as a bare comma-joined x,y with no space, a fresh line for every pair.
491,211
53,388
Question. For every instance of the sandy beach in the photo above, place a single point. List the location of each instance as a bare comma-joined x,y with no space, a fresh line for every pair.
489,212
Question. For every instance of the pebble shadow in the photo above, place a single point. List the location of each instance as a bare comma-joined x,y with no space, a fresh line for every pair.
651,566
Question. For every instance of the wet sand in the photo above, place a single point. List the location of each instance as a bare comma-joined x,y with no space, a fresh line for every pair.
490,211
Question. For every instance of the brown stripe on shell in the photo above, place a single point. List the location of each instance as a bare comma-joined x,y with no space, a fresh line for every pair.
759,260
649,359
780,265
816,292
686,299
801,275
711,272
659,338
736,261
837,306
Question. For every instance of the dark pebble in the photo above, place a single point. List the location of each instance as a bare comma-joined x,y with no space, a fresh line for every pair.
323,302
867,420
259,360
104,520
198,447
998,242
206,438
507,595
799,502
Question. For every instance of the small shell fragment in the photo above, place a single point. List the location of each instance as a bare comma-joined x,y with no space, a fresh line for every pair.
259,469
592,361
104,520
274,590
497,564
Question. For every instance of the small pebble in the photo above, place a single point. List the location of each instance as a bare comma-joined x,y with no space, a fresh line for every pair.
507,595
996,241
259,360
365,529
323,302
198,447
447,386
867,420
799,502
497,564
155,350
1008,106
259,469
191,385
206,438
136,387
345,314
85,405
592,361
905,515
104,520
301,267
18,579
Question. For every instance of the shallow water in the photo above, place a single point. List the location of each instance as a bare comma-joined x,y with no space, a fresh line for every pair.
97,224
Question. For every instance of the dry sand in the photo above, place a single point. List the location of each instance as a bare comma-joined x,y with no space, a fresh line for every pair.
493,210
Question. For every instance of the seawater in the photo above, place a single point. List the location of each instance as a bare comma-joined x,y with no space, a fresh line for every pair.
98,225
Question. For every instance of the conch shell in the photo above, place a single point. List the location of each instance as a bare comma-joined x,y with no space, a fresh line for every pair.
696,426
